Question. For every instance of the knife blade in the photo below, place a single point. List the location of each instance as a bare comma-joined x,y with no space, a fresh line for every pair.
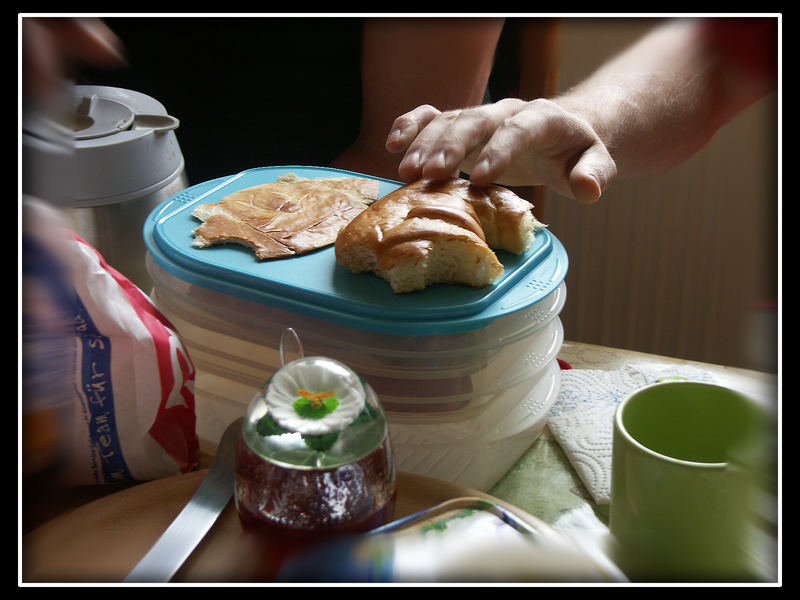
193,522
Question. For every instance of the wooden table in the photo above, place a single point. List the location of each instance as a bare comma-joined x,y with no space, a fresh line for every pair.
542,483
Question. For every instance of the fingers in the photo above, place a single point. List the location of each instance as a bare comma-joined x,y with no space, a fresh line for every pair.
87,39
593,173
419,155
461,140
543,144
528,148
408,126
448,141
50,44
510,142
41,65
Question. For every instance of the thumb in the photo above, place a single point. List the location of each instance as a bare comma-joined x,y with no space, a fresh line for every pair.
592,174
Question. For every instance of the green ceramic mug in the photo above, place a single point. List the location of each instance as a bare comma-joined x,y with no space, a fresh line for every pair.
685,467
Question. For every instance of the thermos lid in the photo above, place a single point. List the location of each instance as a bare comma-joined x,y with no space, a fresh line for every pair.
109,145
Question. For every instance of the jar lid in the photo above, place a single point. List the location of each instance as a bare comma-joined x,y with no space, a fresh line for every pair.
314,412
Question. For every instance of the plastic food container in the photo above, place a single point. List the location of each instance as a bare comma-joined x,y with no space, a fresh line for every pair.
478,449
447,363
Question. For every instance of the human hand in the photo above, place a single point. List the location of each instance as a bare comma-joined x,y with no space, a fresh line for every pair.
51,44
511,142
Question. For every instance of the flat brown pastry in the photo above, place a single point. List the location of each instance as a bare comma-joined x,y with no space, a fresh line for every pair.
290,216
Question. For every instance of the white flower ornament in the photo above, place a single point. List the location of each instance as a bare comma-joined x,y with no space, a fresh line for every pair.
315,396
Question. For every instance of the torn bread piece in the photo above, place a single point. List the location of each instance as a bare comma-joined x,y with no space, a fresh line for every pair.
438,232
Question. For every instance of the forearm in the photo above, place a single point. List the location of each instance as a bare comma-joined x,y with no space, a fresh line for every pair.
644,111
661,100
407,62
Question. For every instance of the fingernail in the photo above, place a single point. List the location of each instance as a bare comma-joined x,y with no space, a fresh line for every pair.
410,161
393,136
439,160
481,168
590,192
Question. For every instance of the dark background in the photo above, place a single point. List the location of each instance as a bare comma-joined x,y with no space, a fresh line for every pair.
248,92
258,91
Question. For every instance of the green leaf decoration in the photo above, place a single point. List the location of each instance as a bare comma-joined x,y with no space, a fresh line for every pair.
321,443
267,426
365,416
310,410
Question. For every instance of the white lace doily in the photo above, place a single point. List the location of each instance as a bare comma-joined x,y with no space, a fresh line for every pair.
582,419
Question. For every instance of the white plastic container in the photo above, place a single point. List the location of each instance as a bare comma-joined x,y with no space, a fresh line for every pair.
466,376
476,452
219,346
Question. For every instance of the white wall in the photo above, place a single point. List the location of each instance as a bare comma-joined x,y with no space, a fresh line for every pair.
675,264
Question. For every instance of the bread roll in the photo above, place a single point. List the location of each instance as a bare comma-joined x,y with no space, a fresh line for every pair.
437,232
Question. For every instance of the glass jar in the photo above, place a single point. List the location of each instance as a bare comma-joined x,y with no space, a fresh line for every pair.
315,457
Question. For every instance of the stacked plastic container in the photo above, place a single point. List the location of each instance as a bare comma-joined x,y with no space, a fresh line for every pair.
466,377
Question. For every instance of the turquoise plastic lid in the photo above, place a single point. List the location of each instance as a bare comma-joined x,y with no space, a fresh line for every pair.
313,284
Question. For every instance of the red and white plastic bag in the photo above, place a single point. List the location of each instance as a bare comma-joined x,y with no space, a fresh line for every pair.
98,354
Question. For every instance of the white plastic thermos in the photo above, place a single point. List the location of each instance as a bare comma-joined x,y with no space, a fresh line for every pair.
108,158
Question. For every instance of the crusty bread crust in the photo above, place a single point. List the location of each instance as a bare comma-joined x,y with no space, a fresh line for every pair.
437,232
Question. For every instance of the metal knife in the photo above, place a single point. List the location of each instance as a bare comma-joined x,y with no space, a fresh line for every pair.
191,525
